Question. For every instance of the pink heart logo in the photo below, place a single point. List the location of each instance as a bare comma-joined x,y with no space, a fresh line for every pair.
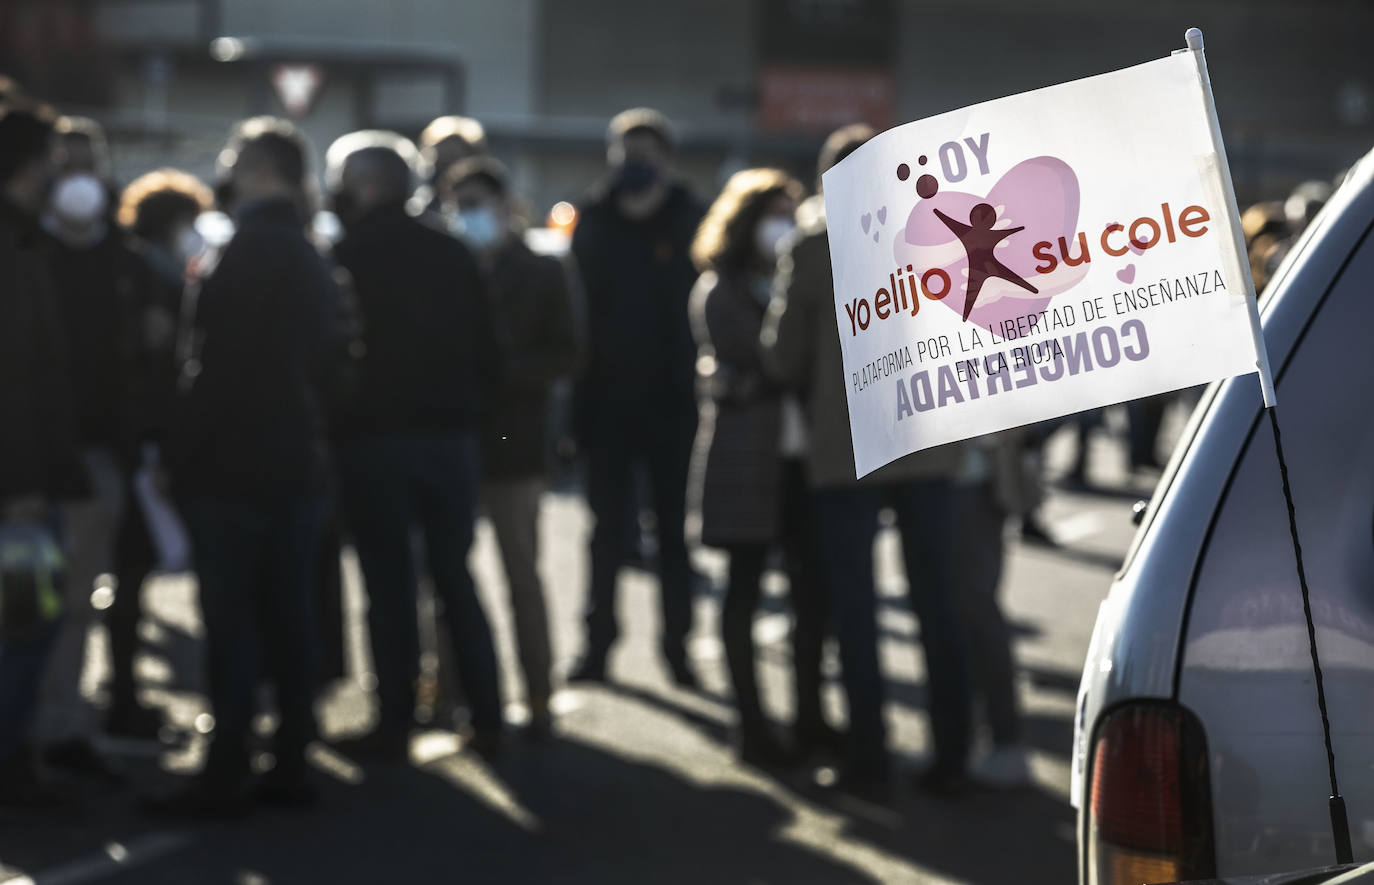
882,215
1126,274
866,221
1041,195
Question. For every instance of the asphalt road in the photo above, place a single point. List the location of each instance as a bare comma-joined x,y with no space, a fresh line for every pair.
640,785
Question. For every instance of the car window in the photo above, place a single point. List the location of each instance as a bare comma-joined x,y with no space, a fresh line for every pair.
1248,578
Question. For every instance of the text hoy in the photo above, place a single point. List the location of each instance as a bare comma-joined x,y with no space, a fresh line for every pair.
1143,234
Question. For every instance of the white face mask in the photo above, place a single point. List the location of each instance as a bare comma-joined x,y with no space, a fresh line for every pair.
188,244
79,200
770,233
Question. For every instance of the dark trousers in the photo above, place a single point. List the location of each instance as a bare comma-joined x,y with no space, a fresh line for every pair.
392,485
254,560
978,521
802,563
847,520
1144,418
663,442
21,666
135,559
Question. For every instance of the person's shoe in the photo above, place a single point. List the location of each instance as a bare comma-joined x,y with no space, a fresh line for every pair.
24,795
943,782
683,676
818,740
762,750
134,722
870,787
1033,531
379,746
201,801
289,792
78,756
1005,768
592,668
539,728
489,743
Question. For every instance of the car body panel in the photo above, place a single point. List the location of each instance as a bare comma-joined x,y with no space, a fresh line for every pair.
1247,668
1135,650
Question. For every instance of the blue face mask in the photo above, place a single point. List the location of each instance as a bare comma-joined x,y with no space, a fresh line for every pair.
636,176
479,228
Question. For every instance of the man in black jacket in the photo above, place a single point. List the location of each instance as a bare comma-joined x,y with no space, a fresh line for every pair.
246,455
38,456
636,403
99,282
408,430
531,294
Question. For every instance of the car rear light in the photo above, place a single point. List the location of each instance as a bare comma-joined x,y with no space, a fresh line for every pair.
1150,811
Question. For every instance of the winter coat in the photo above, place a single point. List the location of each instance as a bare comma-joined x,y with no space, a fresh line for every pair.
99,290
637,274
38,444
736,471
801,347
249,422
430,355
531,295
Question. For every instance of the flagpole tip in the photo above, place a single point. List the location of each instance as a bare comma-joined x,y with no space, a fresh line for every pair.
1193,37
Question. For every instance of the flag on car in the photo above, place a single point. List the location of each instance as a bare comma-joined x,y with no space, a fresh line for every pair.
1035,256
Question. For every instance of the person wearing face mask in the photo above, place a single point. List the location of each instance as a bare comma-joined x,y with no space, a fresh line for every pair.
158,211
444,143
246,457
100,284
635,403
428,364
532,295
39,460
748,478
802,351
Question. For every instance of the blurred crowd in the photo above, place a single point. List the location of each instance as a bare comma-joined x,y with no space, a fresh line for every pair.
242,408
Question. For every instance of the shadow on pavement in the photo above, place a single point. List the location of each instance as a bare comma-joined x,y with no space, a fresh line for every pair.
564,811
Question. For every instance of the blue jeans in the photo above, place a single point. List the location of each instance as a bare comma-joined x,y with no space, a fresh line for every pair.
254,560
847,520
21,666
390,486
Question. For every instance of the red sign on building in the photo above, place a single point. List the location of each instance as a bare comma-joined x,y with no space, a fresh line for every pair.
801,97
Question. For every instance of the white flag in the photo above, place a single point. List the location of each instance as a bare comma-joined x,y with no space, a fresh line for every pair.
1035,256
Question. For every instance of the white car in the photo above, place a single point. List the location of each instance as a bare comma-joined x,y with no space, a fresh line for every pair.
1198,746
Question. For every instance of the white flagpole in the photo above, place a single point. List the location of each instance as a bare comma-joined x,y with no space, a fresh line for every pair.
1194,40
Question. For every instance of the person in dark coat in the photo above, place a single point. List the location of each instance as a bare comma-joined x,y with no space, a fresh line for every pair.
158,211
408,433
39,460
98,281
748,476
247,462
635,398
802,351
532,295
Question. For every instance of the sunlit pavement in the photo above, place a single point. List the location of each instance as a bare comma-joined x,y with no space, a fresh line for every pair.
639,785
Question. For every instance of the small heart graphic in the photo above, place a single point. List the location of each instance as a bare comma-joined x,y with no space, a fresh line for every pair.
866,221
1126,274
875,236
882,215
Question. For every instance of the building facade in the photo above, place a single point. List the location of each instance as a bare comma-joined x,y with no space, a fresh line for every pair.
746,81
